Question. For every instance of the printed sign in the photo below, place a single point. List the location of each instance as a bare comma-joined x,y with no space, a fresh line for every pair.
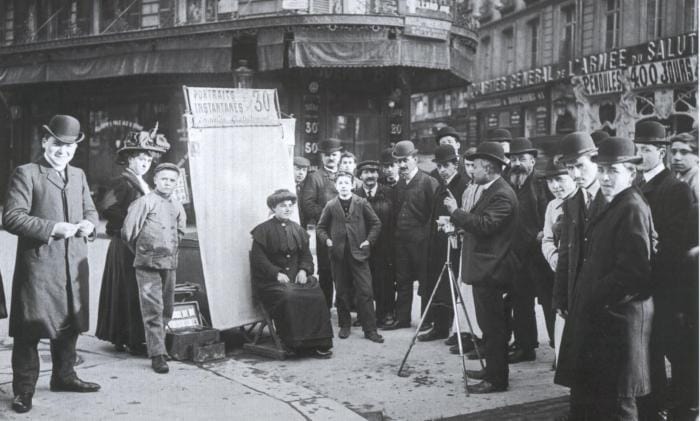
181,191
426,28
226,107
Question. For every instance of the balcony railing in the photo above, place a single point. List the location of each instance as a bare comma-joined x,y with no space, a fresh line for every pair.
20,23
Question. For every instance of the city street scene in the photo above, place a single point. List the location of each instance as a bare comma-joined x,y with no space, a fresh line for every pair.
349,209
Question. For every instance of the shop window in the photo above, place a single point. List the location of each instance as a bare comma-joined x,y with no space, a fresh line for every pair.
120,16
685,100
534,28
7,27
74,18
654,18
359,133
567,43
645,103
612,24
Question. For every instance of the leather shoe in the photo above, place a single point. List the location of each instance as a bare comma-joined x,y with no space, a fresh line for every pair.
425,326
73,384
396,325
471,355
433,335
452,340
344,332
484,386
374,337
520,355
322,354
357,323
159,364
22,403
476,374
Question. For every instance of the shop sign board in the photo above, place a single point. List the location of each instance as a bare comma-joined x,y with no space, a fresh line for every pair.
421,27
295,4
226,107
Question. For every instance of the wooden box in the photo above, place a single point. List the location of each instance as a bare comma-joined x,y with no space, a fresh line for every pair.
185,332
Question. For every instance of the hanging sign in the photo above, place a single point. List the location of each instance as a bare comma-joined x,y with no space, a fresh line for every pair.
226,107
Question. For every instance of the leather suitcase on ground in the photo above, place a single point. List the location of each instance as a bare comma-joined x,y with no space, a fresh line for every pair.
186,333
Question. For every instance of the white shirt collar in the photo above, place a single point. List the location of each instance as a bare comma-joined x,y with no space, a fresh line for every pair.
648,175
449,180
372,191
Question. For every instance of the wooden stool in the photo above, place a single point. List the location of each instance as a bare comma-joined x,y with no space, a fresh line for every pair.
258,346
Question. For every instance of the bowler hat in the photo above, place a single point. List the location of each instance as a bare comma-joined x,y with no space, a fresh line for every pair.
445,153
166,166
301,162
553,168
599,136
493,151
499,135
470,150
689,139
446,131
141,141
404,149
369,164
574,145
328,146
521,145
616,150
386,158
65,128
650,133
280,196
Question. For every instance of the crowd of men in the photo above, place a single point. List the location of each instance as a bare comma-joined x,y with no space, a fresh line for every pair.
604,236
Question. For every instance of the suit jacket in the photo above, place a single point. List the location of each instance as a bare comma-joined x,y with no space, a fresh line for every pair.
414,202
383,205
487,256
361,224
38,198
670,201
318,189
606,337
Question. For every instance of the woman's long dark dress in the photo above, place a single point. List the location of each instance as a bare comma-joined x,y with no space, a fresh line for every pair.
300,312
119,314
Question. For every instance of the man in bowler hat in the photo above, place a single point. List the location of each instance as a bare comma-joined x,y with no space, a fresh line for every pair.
533,276
489,218
381,258
389,175
605,263
414,197
670,201
48,206
447,135
318,189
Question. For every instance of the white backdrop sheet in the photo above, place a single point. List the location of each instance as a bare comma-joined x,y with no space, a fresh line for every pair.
233,170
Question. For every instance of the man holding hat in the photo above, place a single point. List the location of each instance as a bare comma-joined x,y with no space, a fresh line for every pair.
604,350
381,258
447,135
489,217
684,160
452,185
48,206
414,197
389,168
318,189
670,201
301,170
533,276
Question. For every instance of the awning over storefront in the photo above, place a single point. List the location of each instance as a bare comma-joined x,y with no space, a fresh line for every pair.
209,54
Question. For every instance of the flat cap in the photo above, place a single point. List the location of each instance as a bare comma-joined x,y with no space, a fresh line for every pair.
300,161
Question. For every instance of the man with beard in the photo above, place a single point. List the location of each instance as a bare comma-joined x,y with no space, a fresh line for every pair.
533,276
670,201
488,218
684,160
414,196
453,184
301,169
389,169
318,189
381,259
604,275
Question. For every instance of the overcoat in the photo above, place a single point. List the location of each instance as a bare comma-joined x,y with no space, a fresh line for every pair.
359,225
383,205
605,265
48,273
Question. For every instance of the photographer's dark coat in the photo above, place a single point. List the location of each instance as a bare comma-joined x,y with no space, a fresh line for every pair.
37,199
604,280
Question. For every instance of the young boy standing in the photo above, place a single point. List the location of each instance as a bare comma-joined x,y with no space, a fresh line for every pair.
349,227
152,229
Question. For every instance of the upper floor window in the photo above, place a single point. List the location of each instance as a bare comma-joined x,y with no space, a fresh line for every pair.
654,18
486,57
612,24
534,29
567,40
7,22
508,51
120,16
690,11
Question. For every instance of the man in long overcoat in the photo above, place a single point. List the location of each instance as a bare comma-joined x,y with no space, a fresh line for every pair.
605,264
48,206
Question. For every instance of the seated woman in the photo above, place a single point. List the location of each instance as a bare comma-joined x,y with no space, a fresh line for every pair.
281,267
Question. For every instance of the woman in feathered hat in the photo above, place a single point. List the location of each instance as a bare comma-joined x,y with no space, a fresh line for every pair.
119,315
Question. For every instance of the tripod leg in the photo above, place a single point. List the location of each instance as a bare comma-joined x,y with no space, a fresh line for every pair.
415,335
459,336
471,329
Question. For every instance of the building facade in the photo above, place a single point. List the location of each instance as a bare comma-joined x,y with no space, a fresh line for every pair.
550,67
342,68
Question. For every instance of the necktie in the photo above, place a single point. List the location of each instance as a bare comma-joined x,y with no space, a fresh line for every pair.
589,199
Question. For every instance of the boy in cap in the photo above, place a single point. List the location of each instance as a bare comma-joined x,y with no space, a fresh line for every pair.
153,227
349,227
